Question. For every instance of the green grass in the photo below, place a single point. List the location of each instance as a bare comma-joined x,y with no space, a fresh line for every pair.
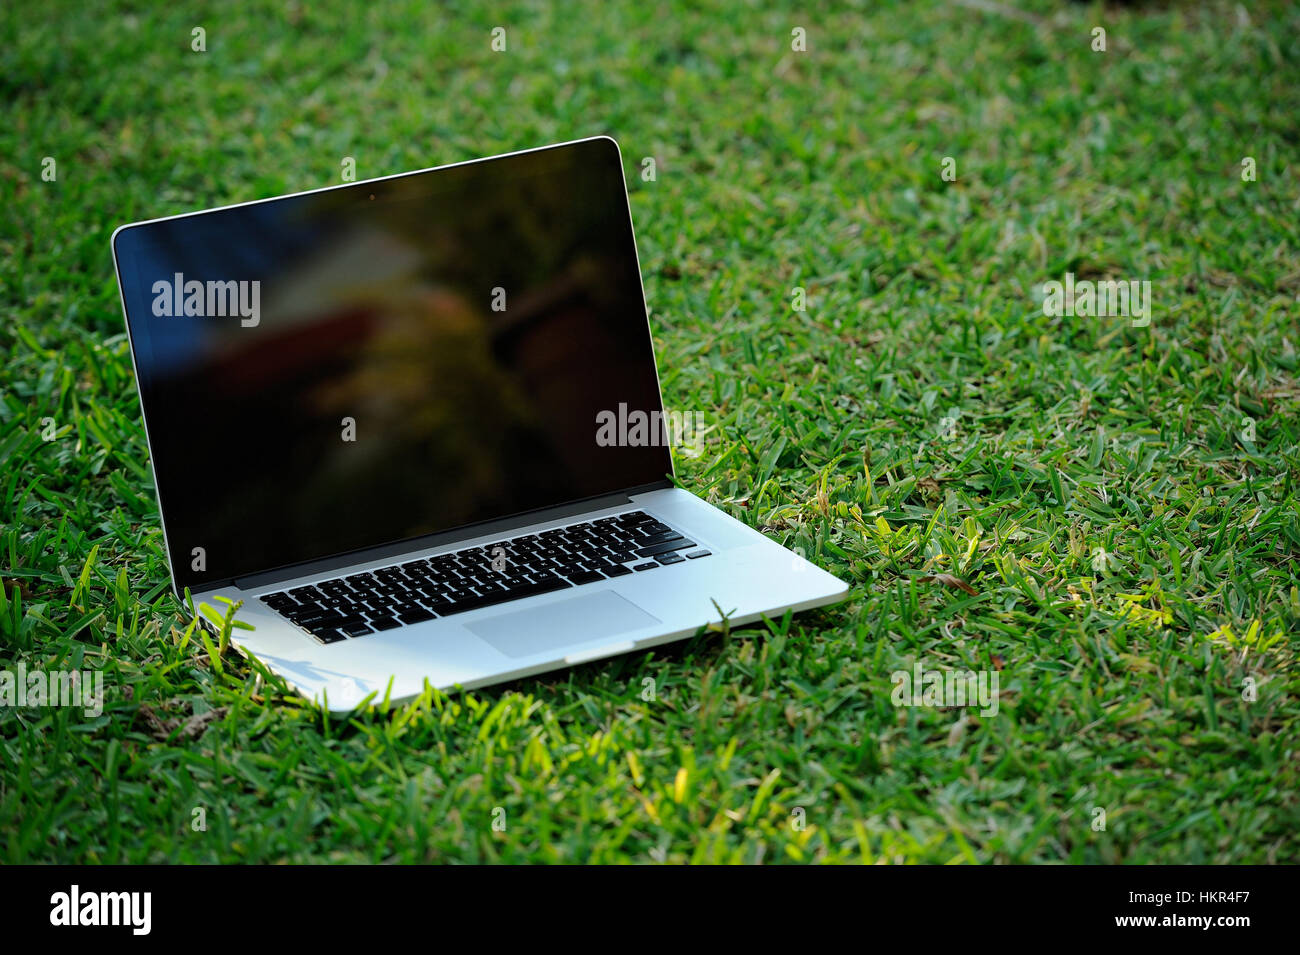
1121,678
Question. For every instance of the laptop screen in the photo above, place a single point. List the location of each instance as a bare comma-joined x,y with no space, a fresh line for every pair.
345,369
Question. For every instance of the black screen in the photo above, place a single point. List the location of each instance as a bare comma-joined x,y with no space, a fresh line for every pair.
419,354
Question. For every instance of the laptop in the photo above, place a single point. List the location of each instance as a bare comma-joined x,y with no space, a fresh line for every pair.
413,427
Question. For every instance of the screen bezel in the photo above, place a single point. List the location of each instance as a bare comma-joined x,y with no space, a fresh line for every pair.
383,549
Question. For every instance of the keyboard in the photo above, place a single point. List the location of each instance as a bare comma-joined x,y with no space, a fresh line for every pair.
455,582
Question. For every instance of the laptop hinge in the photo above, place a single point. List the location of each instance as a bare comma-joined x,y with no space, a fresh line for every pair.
502,526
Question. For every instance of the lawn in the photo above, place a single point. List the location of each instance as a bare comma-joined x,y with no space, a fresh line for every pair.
1118,498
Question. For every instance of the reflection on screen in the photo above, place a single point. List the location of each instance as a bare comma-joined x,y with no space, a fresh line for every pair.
416,355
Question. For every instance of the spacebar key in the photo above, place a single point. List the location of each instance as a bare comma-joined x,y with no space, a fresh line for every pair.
664,547
502,596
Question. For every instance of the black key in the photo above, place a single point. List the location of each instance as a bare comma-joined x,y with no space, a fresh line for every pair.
614,570
320,618
586,577
659,538
472,603
545,586
665,547
699,553
495,597
356,629
327,635
649,565
385,623
670,558
414,615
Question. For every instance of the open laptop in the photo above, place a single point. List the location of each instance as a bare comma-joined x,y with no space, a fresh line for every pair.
415,425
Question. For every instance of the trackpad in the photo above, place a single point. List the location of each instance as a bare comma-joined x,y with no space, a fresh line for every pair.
522,633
